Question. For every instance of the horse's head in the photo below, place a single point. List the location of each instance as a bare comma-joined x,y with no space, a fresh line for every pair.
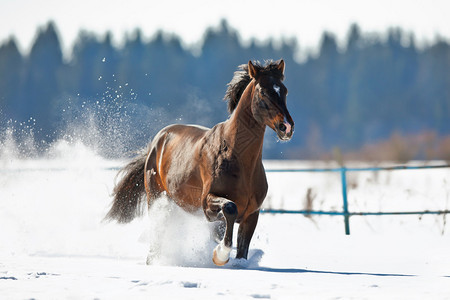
269,98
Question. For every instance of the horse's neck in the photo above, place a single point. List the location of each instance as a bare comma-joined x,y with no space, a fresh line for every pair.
242,131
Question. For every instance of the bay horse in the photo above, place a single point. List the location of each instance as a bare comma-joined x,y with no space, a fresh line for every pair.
218,170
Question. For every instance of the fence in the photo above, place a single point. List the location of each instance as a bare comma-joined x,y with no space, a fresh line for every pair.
342,170
345,210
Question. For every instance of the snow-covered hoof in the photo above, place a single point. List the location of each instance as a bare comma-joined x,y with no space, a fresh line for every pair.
151,257
149,260
221,255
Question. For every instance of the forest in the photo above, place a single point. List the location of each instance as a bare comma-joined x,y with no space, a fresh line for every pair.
378,91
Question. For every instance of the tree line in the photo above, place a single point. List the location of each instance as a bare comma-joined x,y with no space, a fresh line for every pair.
376,85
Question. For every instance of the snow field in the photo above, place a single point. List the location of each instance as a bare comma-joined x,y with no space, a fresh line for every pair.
53,244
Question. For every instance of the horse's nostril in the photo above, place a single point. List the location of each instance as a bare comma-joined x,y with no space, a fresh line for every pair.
282,127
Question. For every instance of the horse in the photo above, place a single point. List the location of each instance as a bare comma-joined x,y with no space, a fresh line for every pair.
219,170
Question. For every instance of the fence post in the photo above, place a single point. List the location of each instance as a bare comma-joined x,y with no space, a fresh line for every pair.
344,199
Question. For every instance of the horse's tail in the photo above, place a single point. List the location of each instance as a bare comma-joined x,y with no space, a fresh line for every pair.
129,194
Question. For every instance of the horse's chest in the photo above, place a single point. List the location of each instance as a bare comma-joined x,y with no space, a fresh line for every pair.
226,174
225,163
231,179
227,168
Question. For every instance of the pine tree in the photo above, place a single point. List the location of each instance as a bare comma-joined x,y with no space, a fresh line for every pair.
11,73
41,89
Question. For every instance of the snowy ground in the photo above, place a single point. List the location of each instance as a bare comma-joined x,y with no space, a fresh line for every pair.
53,244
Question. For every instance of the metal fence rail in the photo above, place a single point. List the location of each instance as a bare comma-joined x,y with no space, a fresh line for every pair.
345,211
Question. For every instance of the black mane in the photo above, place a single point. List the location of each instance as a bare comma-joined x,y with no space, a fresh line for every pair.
241,79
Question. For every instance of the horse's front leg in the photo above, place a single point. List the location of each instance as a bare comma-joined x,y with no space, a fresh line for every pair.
245,233
215,209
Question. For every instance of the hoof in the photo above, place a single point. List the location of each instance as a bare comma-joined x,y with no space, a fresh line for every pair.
153,255
217,261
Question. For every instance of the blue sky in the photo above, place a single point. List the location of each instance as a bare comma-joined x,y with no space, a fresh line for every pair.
305,20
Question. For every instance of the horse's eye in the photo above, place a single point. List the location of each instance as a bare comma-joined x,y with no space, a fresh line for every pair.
262,92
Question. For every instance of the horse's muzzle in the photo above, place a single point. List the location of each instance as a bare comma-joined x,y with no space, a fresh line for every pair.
285,130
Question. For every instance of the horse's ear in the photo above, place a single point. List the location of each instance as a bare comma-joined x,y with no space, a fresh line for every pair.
252,71
281,66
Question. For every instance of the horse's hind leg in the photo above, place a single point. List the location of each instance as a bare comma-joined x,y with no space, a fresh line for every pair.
153,189
245,233
216,207
218,231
